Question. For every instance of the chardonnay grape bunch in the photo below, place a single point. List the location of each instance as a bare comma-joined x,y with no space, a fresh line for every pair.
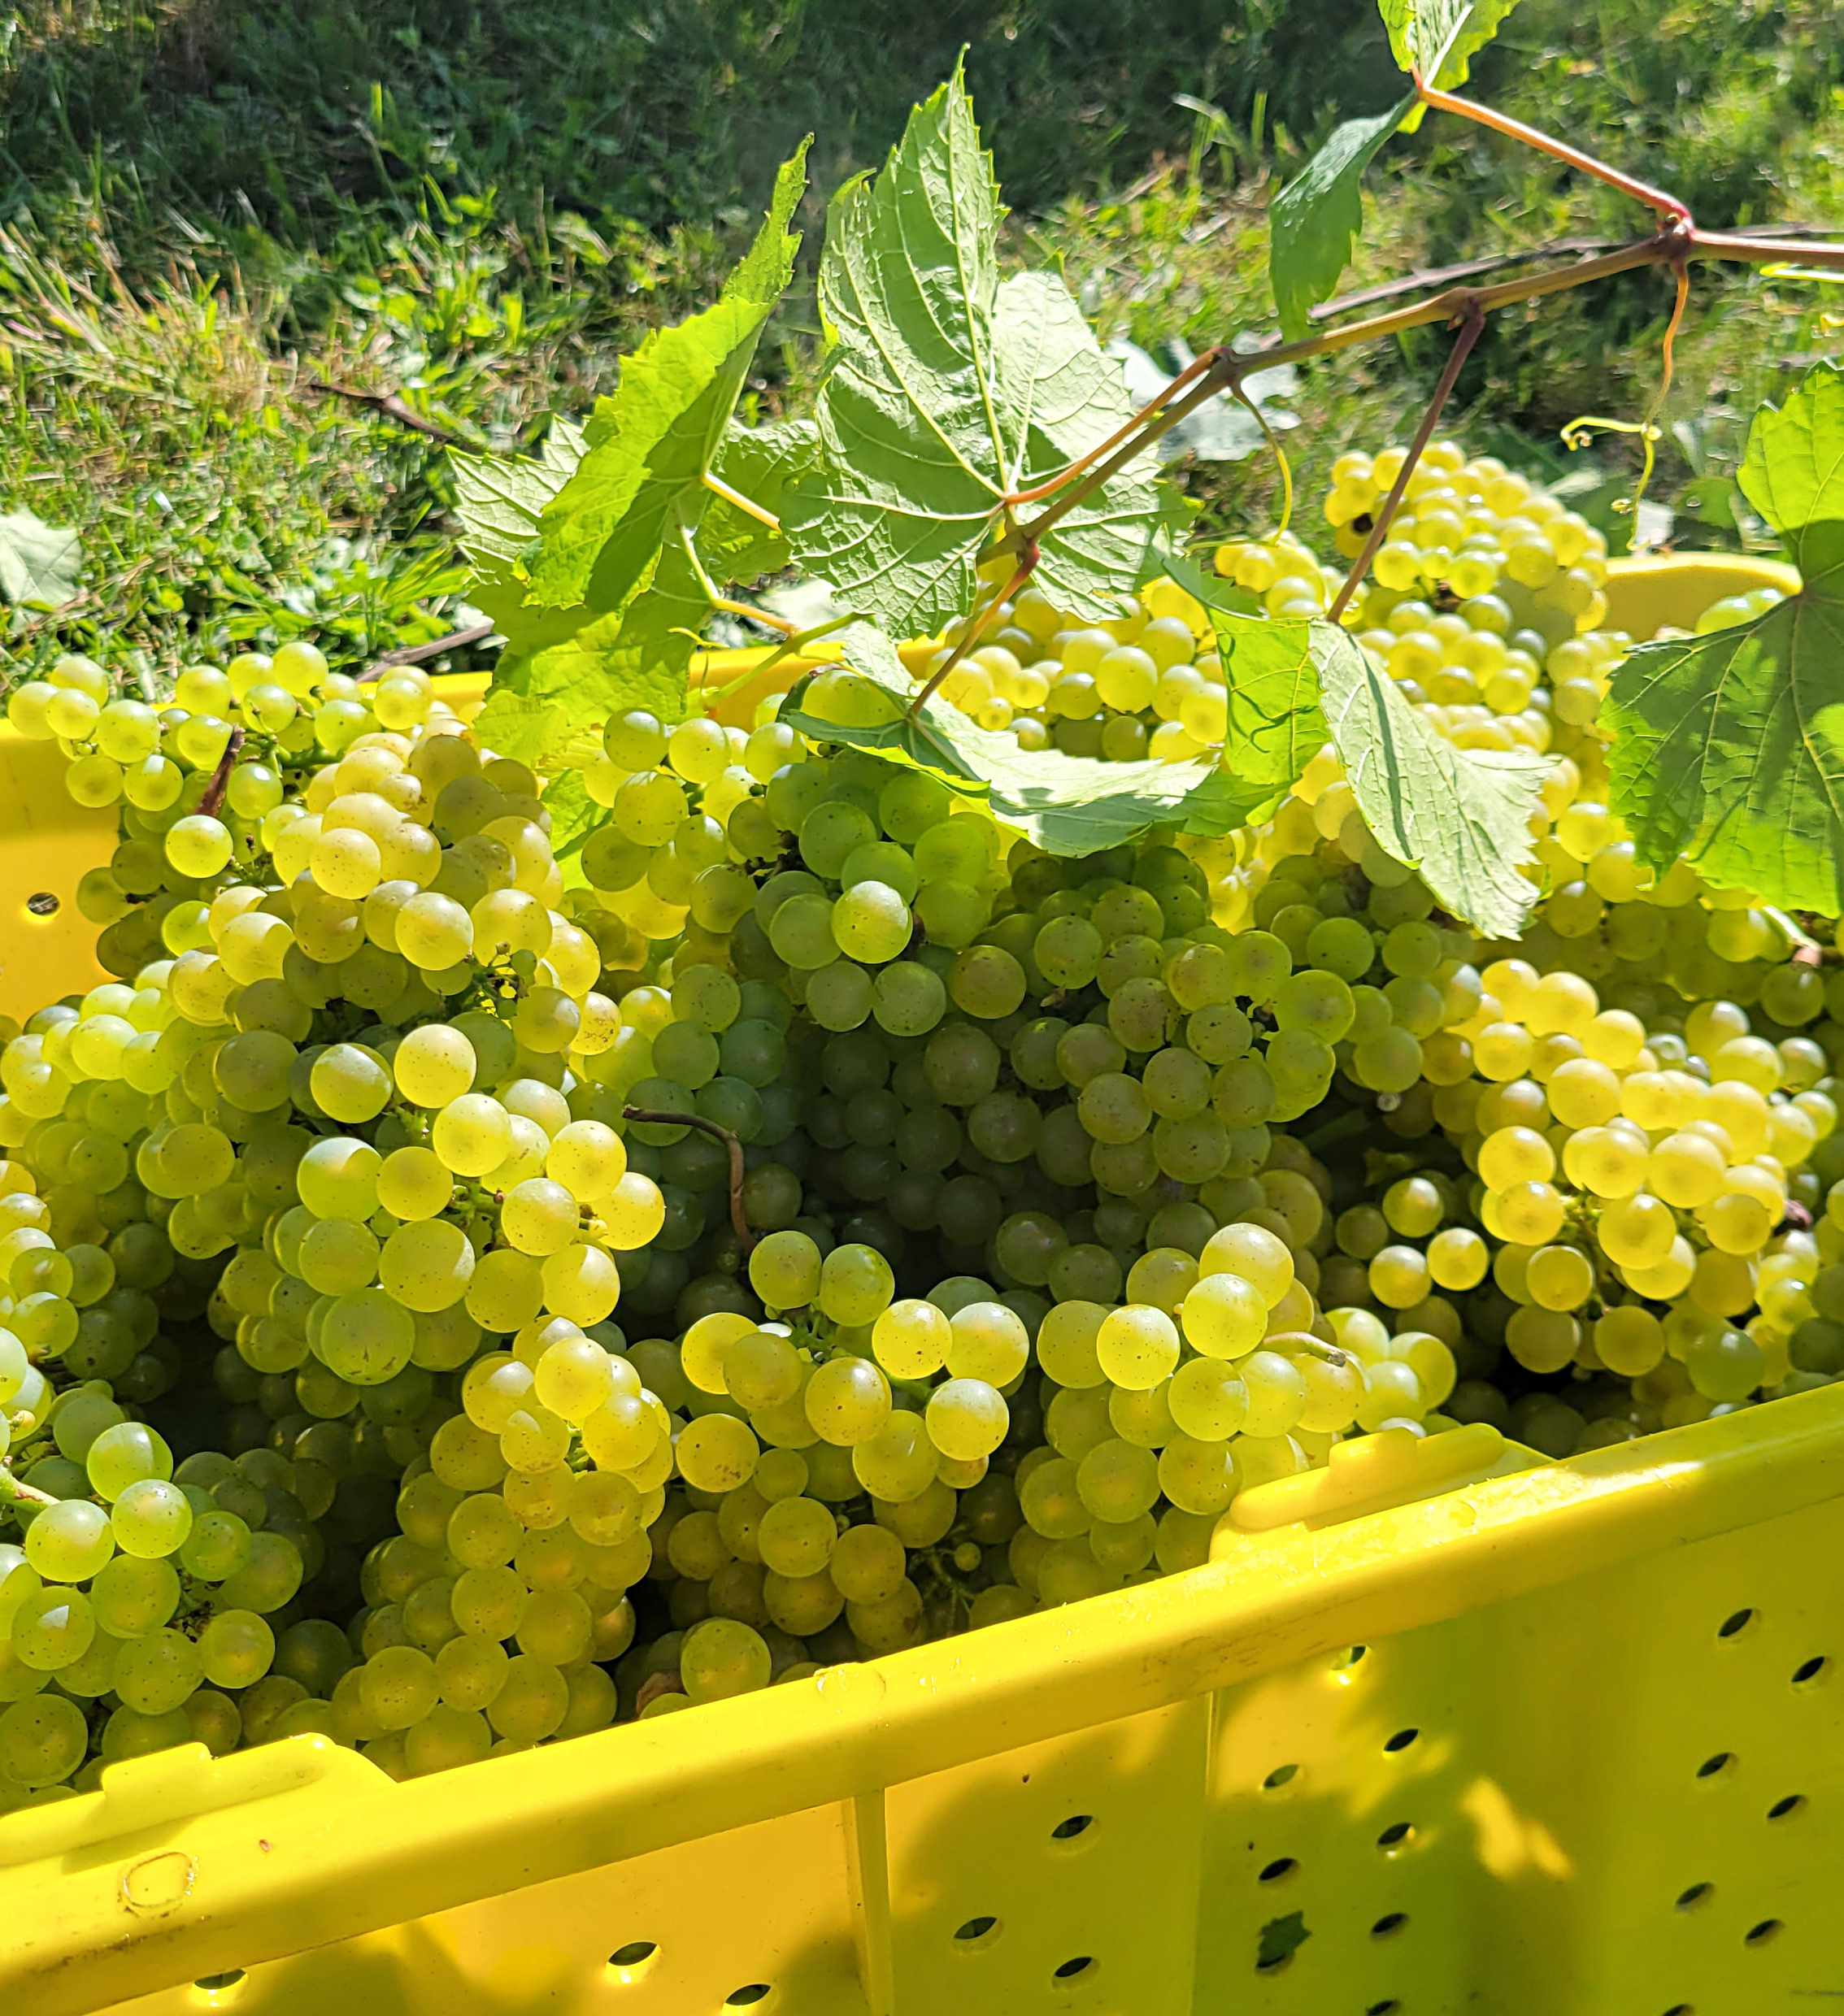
1055,1230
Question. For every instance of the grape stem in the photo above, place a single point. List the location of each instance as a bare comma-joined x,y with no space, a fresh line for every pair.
1303,1344
214,793
1666,205
977,629
719,487
717,600
416,654
14,1492
746,1236
757,669
1472,324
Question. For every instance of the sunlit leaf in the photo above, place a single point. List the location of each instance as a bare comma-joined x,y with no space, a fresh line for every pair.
500,498
945,389
1460,817
1439,38
39,563
1315,220
598,535
1729,747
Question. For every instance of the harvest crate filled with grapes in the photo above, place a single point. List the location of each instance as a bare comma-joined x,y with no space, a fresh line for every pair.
1114,1285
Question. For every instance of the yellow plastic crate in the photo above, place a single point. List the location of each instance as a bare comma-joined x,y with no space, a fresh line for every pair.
1442,1728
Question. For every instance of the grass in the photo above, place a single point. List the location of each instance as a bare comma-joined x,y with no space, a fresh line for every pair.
211,208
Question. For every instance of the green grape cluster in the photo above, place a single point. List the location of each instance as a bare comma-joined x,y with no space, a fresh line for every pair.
1147,683
1078,1196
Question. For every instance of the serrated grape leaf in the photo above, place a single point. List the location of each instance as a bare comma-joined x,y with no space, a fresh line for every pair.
1272,672
1066,805
499,498
1460,817
1729,747
598,535
1315,220
944,390
1439,39
574,816
758,463
563,668
39,563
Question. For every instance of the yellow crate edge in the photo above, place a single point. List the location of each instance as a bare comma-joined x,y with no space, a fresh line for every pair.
181,1867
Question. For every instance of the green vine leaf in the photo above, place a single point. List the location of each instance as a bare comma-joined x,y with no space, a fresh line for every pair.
945,389
1066,805
563,669
40,565
759,462
598,535
500,498
1315,220
574,816
1272,669
1439,39
1460,817
1729,747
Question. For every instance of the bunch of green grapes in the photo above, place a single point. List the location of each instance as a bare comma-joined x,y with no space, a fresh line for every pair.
1147,683
1058,1227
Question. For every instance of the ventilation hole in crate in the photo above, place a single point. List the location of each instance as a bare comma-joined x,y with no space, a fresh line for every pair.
977,1931
1759,1934
748,1998
1698,1893
631,1961
45,904
1395,1837
1733,1627
217,1988
1390,2008
1804,1675
1277,1870
1714,1766
1680,2008
1343,1662
1401,1740
1084,1967
1388,1925
1076,1823
1785,1808
1281,1774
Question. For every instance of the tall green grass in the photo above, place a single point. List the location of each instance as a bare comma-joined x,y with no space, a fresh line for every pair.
210,206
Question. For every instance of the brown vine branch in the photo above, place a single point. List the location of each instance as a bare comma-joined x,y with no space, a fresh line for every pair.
392,404
1673,243
745,1238
1666,206
214,793
1472,323
1498,262
977,629
1152,406
420,654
